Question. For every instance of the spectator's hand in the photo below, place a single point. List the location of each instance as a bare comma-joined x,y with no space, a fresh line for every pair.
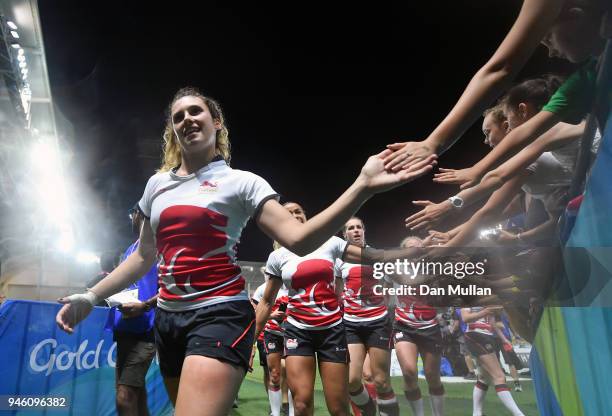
406,153
377,179
132,309
506,237
429,215
438,237
76,308
467,177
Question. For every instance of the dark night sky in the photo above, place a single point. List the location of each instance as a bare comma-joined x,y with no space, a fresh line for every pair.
309,90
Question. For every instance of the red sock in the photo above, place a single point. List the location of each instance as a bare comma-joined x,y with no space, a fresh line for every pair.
356,411
371,388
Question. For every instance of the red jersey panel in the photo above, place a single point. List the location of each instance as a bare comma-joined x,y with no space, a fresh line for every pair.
410,311
482,325
360,302
197,221
310,280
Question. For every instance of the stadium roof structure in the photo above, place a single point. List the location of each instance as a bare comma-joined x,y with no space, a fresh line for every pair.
26,104
28,119
24,65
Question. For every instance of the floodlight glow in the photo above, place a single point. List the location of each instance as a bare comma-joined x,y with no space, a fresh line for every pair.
11,25
15,34
65,242
26,97
40,152
87,257
46,164
487,233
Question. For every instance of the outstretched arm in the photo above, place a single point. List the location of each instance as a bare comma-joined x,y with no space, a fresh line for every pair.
302,239
489,213
517,139
558,136
531,26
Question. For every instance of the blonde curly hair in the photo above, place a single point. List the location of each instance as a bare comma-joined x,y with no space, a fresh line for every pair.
171,156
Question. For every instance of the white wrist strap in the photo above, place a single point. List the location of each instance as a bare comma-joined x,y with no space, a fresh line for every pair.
89,297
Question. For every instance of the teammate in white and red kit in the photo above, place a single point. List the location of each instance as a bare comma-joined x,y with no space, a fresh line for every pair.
314,330
273,343
261,349
368,330
313,324
481,341
416,331
196,207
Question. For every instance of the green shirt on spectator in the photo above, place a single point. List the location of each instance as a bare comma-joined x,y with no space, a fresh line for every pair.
574,98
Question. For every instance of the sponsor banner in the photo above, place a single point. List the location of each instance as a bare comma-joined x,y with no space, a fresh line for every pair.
38,359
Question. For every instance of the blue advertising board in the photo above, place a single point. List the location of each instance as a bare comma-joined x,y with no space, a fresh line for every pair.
40,360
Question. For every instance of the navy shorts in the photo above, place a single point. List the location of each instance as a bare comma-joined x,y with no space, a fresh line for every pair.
375,334
223,331
263,358
480,344
273,343
427,339
328,344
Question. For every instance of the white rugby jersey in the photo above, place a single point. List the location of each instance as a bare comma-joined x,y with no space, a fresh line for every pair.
273,326
258,293
313,303
256,298
197,221
411,311
361,304
482,325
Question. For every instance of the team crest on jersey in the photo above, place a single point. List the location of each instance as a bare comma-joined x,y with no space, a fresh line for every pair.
208,187
271,345
399,335
292,343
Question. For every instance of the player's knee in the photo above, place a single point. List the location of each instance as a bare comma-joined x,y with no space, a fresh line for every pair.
338,409
433,377
382,382
275,377
499,379
302,407
410,373
367,376
410,383
497,376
